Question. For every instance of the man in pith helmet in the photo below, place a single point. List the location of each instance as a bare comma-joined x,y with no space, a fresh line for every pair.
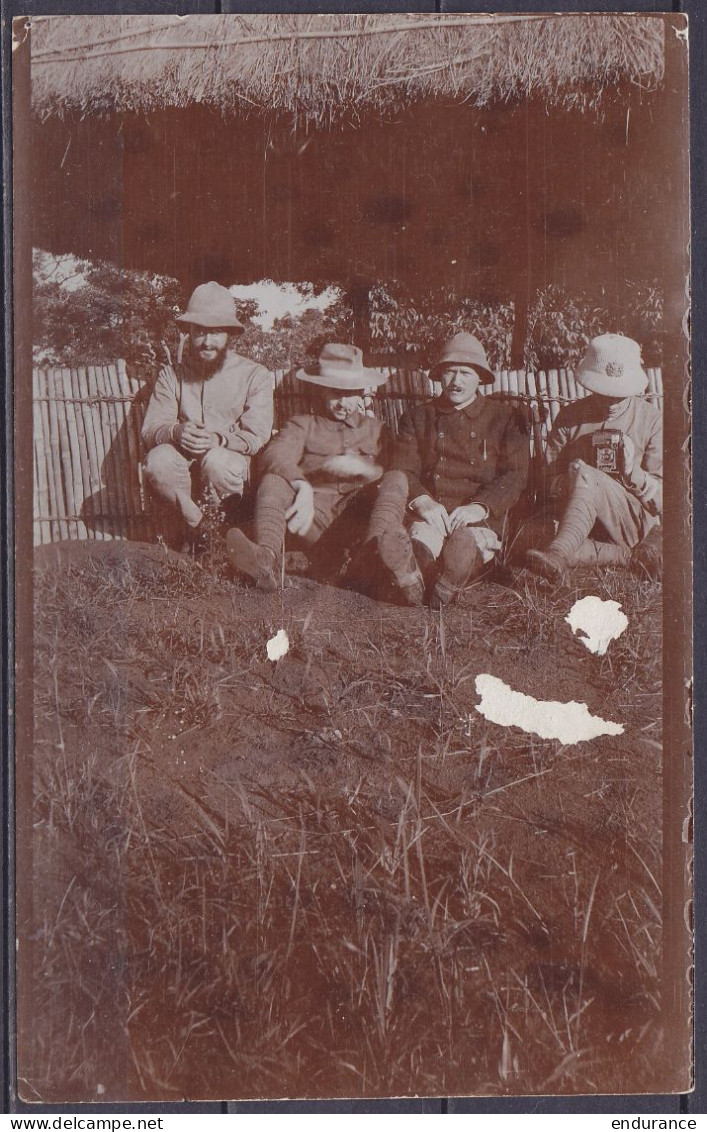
605,473
208,416
460,463
316,470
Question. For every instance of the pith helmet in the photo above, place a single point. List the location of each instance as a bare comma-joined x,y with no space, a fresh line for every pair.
612,366
464,350
212,306
341,367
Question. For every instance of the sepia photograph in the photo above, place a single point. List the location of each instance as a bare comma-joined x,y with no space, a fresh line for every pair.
353,750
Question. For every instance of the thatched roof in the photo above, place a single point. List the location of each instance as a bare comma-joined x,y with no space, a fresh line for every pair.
325,68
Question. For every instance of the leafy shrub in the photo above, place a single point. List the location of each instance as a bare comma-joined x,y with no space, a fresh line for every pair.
107,313
296,340
403,323
560,325
643,318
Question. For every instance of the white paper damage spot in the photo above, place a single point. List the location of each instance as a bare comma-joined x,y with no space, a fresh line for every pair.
570,723
602,621
278,645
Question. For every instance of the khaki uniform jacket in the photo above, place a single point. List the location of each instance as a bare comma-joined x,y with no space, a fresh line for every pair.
300,450
571,439
478,454
236,402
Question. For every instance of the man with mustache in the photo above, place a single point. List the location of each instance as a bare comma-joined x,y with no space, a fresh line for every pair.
460,463
207,417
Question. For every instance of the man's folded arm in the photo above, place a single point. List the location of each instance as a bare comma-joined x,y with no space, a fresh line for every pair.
646,481
255,425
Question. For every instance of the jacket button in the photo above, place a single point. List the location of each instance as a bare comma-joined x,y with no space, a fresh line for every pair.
441,435
473,434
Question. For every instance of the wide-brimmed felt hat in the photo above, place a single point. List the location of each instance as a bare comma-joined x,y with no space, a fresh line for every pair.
612,367
341,367
214,307
464,350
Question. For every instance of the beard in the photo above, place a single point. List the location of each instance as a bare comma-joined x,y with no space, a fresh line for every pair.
207,366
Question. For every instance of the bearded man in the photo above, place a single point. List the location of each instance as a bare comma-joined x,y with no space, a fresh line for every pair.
207,417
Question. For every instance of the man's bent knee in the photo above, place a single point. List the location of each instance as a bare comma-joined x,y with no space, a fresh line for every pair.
162,463
579,472
592,479
222,459
223,470
394,483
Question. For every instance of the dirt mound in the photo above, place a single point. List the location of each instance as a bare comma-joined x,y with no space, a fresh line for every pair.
146,561
331,868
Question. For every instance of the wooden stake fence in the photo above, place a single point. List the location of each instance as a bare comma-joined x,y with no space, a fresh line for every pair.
87,447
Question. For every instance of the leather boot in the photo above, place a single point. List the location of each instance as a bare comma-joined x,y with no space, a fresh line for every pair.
256,561
647,558
547,564
425,560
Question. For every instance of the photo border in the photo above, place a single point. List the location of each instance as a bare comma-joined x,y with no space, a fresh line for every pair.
20,520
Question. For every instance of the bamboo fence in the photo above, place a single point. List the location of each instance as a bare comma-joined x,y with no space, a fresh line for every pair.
87,448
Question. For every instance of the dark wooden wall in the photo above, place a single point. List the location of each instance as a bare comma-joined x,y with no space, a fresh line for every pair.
496,201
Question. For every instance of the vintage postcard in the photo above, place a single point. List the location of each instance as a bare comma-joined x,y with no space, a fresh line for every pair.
353,751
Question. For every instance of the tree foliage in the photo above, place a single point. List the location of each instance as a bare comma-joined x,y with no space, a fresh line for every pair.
108,313
296,340
560,324
403,323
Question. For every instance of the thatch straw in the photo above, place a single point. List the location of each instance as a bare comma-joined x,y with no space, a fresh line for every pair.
324,68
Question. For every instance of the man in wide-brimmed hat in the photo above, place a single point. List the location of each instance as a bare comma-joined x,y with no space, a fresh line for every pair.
316,471
605,474
207,416
460,463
